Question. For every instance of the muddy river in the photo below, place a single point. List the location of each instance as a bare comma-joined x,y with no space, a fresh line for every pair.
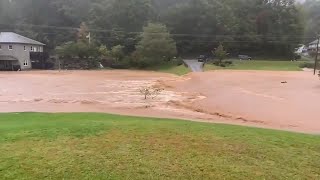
279,100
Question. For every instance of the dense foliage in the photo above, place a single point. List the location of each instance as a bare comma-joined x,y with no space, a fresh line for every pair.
156,46
220,53
257,27
311,10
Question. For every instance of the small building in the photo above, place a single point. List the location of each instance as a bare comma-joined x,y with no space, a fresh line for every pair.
302,50
15,51
313,46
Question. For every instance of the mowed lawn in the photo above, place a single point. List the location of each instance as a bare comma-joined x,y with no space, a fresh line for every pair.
260,65
102,146
173,69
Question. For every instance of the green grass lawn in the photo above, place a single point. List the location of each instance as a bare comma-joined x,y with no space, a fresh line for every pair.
101,146
260,65
172,68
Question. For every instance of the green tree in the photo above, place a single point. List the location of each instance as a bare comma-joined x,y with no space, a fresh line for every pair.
129,15
77,49
199,20
122,18
117,52
220,53
262,27
311,16
104,51
83,32
247,26
156,45
44,20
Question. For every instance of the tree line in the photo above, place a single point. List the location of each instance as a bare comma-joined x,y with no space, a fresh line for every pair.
255,27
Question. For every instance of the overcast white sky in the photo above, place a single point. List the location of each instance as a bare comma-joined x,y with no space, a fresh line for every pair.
300,0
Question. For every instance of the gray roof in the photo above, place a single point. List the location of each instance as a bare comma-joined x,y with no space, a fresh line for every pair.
10,37
314,42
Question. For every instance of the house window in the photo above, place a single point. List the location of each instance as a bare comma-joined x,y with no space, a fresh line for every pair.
10,47
25,63
24,48
35,49
40,49
0,47
31,48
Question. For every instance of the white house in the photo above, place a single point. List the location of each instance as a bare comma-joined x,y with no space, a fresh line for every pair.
313,45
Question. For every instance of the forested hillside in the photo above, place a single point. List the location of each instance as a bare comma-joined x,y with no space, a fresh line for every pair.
260,27
311,13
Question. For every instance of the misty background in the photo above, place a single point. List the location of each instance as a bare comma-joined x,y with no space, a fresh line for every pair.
258,27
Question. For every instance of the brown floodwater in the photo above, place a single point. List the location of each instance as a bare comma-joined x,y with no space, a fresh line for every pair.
282,100
279,100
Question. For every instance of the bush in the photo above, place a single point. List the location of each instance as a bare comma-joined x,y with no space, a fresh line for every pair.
297,57
220,53
139,61
308,65
106,62
177,61
79,63
117,52
144,63
77,50
124,63
223,63
119,66
229,63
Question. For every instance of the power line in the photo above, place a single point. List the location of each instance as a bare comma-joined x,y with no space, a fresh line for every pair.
112,39
172,34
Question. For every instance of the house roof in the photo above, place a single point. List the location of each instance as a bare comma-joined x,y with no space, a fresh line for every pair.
10,37
314,42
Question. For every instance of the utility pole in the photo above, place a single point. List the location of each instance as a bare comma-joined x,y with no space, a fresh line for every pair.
89,37
316,59
58,58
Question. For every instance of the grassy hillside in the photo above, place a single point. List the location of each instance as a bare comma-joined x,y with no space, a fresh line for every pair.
101,146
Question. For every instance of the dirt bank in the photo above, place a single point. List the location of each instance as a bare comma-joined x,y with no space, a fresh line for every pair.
236,97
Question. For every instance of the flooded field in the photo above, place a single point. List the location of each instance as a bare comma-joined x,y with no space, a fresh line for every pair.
280,100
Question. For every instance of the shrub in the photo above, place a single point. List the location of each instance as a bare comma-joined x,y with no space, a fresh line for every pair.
117,52
223,63
144,63
79,63
308,65
77,50
106,62
119,65
124,63
78,55
220,53
177,61
297,57
228,63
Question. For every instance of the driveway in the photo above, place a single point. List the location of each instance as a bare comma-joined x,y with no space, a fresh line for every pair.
194,65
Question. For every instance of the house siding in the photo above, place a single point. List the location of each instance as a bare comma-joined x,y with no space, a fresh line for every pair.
313,46
19,52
